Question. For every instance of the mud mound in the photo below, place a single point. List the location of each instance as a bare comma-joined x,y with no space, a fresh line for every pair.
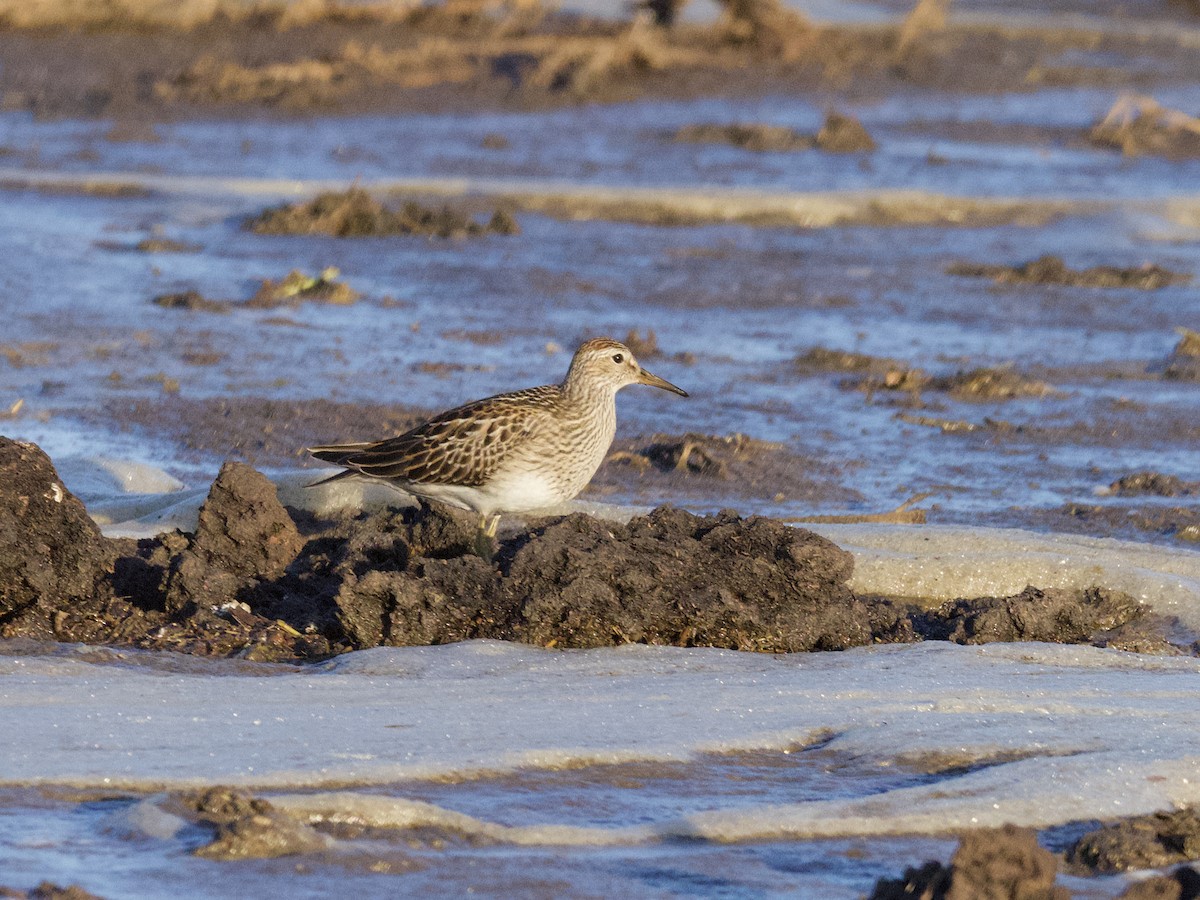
48,890
1052,270
51,553
876,373
871,373
1182,884
747,136
296,287
990,863
244,536
1184,362
355,213
1141,842
667,578
247,827
1140,125
840,133
1056,615
193,301
675,578
265,583
989,384
1153,483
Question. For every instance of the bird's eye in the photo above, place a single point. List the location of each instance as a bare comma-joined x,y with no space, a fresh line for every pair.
618,358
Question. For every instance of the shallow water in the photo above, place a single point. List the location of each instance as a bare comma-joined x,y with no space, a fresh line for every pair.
743,300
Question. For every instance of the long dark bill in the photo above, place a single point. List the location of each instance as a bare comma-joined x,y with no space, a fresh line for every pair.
654,381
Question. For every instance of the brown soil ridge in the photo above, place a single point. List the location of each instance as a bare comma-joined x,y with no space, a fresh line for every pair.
355,213
1052,270
133,60
840,133
262,582
1007,862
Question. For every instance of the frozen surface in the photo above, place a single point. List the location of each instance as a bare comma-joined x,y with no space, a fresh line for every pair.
1042,734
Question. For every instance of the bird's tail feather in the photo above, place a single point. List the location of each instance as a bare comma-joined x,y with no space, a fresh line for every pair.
336,476
335,453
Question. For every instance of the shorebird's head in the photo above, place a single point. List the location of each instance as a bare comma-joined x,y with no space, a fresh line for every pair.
611,365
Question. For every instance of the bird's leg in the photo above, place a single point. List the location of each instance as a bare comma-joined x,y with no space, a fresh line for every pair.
485,547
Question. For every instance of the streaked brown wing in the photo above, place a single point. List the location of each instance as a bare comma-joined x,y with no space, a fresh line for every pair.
462,446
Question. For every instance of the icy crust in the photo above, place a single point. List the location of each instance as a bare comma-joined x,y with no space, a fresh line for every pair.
936,563
1041,734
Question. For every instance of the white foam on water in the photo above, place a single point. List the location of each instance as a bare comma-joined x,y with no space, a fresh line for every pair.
1090,733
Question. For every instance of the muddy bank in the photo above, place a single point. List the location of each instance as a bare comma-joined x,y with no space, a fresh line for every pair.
293,289
1154,841
1179,522
1008,862
48,890
1141,126
872,374
1052,270
263,582
840,133
355,213
137,62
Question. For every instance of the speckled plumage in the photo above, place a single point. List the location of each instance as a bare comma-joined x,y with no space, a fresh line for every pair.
512,452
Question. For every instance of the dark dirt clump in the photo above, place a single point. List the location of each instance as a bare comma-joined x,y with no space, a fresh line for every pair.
747,136
48,890
355,213
296,287
995,863
265,583
166,245
1184,362
1140,126
247,827
871,374
1052,270
52,555
1055,615
1154,483
1182,884
1140,842
192,300
675,578
1179,522
989,384
244,536
839,133
291,290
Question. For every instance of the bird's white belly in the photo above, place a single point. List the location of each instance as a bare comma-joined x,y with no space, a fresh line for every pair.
521,491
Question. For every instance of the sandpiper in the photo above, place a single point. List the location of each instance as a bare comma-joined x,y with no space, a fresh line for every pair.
512,452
